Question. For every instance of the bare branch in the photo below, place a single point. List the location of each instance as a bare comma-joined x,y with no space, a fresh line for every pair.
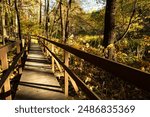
130,21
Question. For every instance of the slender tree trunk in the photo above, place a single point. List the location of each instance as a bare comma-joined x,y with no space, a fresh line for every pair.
4,33
47,18
45,9
109,29
45,6
61,18
66,22
55,20
11,19
18,22
40,18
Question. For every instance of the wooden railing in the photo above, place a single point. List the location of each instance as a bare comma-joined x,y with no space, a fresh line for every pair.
138,78
5,86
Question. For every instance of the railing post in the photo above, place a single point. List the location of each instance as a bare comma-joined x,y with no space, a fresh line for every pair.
66,76
28,43
7,89
4,60
19,62
27,46
18,47
23,42
44,46
53,62
4,63
47,52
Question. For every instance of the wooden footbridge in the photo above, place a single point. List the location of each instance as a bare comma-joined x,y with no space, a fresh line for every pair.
31,75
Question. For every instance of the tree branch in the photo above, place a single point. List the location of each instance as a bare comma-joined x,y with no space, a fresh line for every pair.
130,21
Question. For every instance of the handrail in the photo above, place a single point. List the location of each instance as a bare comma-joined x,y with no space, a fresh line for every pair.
5,85
83,86
11,68
130,74
7,47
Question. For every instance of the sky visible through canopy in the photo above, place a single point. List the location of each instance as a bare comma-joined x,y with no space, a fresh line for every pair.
87,5
91,5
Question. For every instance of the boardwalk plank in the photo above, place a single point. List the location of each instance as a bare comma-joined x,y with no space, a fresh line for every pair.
37,81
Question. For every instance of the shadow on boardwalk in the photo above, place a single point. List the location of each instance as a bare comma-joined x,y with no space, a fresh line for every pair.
37,81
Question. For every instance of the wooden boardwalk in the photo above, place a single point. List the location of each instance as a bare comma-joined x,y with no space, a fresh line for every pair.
37,81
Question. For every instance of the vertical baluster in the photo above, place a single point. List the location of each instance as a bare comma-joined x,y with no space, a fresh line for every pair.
53,62
27,46
66,76
47,52
4,63
23,42
4,60
19,62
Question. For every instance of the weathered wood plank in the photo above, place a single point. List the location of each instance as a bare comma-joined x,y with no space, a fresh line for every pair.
37,81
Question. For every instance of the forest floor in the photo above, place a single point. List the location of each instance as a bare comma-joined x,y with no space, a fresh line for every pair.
103,83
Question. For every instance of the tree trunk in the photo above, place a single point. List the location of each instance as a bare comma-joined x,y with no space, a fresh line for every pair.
4,33
16,25
47,18
40,18
109,29
18,22
61,19
11,31
45,7
66,22
55,20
